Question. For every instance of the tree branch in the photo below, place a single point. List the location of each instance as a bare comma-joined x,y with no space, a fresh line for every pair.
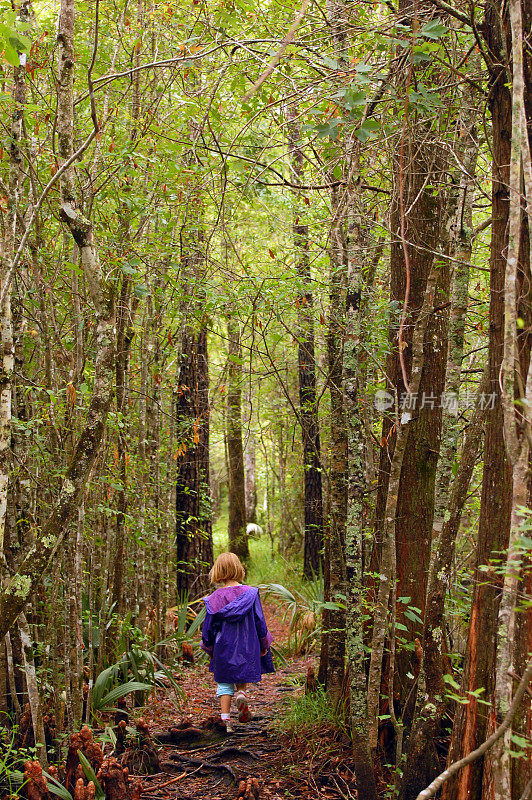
438,782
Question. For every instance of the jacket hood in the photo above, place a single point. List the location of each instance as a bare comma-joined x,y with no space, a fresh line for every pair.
234,609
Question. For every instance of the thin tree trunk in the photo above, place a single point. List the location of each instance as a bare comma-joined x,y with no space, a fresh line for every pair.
461,245
419,768
238,541
335,568
250,469
517,425
306,370
470,722
125,314
6,257
18,589
364,770
193,521
33,691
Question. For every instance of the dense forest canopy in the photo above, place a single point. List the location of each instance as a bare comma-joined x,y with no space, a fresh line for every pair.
265,286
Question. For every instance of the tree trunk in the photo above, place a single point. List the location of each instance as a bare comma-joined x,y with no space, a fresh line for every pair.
420,767
460,222
238,541
18,589
125,313
193,525
388,577
470,723
364,770
126,309
306,371
6,259
335,549
33,691
416,216
250,468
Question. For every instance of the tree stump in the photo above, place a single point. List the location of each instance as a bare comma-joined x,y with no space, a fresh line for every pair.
115,781
82,792
141,757
84,742
35,786
248,790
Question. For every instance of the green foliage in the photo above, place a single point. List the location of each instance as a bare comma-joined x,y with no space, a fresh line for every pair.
139,669
12,41
54,787
303,612
190,616
91,775
11,762
103,698
307,711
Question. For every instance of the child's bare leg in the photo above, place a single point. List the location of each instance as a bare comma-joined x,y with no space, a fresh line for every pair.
225,703
225,692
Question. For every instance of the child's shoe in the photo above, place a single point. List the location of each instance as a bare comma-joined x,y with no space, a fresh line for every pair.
227,725
241,703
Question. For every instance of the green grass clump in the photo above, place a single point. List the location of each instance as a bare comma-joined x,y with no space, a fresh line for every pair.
307,711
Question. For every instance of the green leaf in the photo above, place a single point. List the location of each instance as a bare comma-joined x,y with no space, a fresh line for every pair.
420,56
520,741
450,681
11,55
411,615
57,788
104,679
91,775
434,29
368,130
330,62
122,690
328,129
141,290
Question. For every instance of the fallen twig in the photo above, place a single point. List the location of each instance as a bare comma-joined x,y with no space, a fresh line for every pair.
174,780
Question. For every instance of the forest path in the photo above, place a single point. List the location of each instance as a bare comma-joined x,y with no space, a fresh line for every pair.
209,765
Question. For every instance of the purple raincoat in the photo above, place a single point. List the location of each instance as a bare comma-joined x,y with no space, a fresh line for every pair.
234,633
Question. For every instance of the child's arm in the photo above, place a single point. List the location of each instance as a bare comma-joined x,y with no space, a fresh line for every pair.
265,637
207,635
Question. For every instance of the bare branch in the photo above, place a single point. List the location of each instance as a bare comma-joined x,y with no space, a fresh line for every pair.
438,782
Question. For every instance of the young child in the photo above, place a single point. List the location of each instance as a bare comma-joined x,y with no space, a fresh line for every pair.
235,636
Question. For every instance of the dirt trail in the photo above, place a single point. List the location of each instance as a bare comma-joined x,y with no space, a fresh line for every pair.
210,765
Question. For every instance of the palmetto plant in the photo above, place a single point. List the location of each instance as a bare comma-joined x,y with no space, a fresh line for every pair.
302,611
188,617
139,669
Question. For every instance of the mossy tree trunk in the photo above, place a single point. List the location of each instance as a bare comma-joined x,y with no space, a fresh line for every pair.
19,587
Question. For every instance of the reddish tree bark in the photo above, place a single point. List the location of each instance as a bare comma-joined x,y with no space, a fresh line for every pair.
472,720
193,519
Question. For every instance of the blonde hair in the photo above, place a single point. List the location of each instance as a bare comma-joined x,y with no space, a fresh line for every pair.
227,567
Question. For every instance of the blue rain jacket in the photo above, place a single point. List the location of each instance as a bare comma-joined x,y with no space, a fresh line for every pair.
234,633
